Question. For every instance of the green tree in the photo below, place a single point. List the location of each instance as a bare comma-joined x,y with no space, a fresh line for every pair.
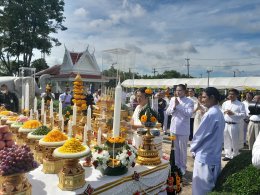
26,25
39,64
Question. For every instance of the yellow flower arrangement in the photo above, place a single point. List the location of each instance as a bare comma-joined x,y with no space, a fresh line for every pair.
72,146
55,135
143,118
5,113
116,140
149,91
114,162
31,124
153,119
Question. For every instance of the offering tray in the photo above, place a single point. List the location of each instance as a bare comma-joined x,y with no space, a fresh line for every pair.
51,164
72,175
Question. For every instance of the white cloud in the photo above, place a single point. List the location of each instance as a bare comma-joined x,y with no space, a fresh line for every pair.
81,12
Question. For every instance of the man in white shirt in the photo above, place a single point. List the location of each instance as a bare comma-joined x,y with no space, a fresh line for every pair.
181,109
65,98
254,125
234,112
191,94
249,97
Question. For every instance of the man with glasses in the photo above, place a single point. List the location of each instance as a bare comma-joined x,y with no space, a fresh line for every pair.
181,109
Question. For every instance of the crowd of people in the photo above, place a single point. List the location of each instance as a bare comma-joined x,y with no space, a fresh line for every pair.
209,121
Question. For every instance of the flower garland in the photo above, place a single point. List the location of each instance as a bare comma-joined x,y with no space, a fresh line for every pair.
102,159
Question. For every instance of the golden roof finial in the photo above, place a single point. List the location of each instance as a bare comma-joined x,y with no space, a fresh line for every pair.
78,77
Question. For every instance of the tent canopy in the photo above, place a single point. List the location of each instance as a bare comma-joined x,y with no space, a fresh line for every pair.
239,83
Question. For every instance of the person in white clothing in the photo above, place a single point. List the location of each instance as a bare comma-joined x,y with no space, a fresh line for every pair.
254,125
65,98
234,111
256,153
191,94
142,100
181,109
199,111
249,97
206,146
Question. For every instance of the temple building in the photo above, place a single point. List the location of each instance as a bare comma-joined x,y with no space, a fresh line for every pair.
73,63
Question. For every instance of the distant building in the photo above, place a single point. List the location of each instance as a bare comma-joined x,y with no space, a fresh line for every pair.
73,63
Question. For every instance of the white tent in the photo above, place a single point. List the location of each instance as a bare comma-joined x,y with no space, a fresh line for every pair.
239,83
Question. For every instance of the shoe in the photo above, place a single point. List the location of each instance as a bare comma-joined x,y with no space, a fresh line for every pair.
226,159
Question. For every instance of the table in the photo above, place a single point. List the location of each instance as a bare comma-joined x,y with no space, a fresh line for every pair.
152,180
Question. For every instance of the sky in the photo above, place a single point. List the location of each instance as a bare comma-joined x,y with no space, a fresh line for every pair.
218,36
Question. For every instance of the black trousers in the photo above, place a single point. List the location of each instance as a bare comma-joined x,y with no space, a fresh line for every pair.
191,128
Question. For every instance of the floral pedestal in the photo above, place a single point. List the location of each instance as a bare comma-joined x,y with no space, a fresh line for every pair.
72,175
51,164
16,184
38,152
147,152
21,137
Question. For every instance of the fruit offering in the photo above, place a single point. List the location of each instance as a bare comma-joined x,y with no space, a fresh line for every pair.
72,146
31,124
6,137
20,121
43,130
16,160
55,135
11,119
79,97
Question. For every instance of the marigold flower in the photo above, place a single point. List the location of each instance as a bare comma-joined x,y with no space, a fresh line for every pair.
153,119
149,91
143,118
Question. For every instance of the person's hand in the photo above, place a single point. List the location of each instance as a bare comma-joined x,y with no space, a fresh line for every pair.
229,112
176,102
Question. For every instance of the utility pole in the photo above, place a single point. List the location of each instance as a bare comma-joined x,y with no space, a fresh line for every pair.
200,75
209,71
188,66
154,71
234,73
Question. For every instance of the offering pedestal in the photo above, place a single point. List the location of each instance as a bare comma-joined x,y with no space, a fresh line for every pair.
51,165
147,152
16,184
72,175
38,154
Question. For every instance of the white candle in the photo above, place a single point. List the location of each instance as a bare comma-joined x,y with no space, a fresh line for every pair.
42,107
44,119
22,107
85,135
31,114
117,110
99,136
60,110
51,109
70,129
35,105
89,118
36,115
74,116
152,102
62,124
26,104
105,91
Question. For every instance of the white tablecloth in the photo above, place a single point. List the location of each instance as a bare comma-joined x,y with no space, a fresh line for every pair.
152,180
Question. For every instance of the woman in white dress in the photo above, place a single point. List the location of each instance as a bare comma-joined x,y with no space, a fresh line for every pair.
199,111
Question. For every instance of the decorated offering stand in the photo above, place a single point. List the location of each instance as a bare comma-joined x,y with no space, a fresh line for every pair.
23,131
50,142
12,171
72,175
147,152
34,138
14,127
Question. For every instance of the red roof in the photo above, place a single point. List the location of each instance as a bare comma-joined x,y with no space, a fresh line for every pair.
75,57
54,70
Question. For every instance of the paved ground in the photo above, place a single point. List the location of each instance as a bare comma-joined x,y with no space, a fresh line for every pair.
187,179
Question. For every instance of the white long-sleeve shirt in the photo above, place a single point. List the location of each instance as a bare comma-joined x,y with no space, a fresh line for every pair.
256,152
208,139
180,122
237,107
